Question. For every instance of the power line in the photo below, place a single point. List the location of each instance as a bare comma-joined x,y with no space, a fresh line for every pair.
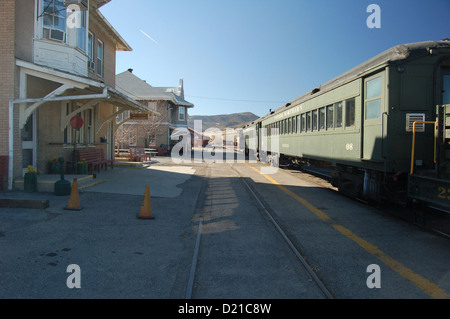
233,100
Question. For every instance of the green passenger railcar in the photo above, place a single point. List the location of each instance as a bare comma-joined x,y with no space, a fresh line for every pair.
361,123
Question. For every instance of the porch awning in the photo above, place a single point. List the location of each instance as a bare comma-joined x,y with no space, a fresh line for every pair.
73,88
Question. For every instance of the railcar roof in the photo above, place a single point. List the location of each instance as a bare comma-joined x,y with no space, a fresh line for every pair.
394,54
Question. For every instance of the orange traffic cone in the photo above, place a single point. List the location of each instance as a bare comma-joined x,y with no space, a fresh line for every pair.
74,200
146,207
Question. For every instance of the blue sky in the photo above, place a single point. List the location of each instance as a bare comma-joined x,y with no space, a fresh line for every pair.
256,55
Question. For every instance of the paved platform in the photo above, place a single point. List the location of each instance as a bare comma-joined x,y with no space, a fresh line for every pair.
164,180
46,183
128,178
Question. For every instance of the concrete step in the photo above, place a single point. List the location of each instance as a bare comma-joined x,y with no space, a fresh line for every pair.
137,165
46,183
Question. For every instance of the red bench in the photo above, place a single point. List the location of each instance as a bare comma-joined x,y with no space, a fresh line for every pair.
96,159
138,154
163,151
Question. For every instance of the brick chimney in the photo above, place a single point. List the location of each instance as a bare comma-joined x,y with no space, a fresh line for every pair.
181,88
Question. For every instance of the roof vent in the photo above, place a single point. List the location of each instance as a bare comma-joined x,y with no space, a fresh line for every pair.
130,70
315,91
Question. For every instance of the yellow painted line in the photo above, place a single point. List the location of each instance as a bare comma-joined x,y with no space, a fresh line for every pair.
304,202
91,185
424,284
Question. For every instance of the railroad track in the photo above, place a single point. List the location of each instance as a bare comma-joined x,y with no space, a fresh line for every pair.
299,256
309,268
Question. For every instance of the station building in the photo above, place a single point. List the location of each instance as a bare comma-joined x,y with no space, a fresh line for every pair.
56,63
153,131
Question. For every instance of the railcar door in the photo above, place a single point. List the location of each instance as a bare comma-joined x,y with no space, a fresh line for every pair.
373,112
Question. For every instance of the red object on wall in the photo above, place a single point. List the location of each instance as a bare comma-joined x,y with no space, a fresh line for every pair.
76,122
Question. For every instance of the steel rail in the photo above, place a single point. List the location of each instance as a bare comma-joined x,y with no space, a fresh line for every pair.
299,256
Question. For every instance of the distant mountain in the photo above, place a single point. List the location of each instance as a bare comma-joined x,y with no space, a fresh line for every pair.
222,121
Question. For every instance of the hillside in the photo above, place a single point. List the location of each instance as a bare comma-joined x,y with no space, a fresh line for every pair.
222,121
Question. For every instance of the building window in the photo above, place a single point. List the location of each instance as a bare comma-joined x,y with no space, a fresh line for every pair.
132,138
350,112
87,133
70,134
54,20
181,113
373,98
82,31
122,116
152,105
88,123
90,50
100,60
151,140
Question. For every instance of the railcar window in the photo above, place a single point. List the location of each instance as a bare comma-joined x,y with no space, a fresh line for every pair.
350,112
314,120
290,125
373,99
322,118
374,88
330,116
303,126
298,124
308,121
338,111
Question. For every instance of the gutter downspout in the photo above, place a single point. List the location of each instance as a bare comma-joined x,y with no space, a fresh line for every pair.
11,145
11,122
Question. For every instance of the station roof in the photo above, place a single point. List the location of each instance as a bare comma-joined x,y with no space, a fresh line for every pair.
138,89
